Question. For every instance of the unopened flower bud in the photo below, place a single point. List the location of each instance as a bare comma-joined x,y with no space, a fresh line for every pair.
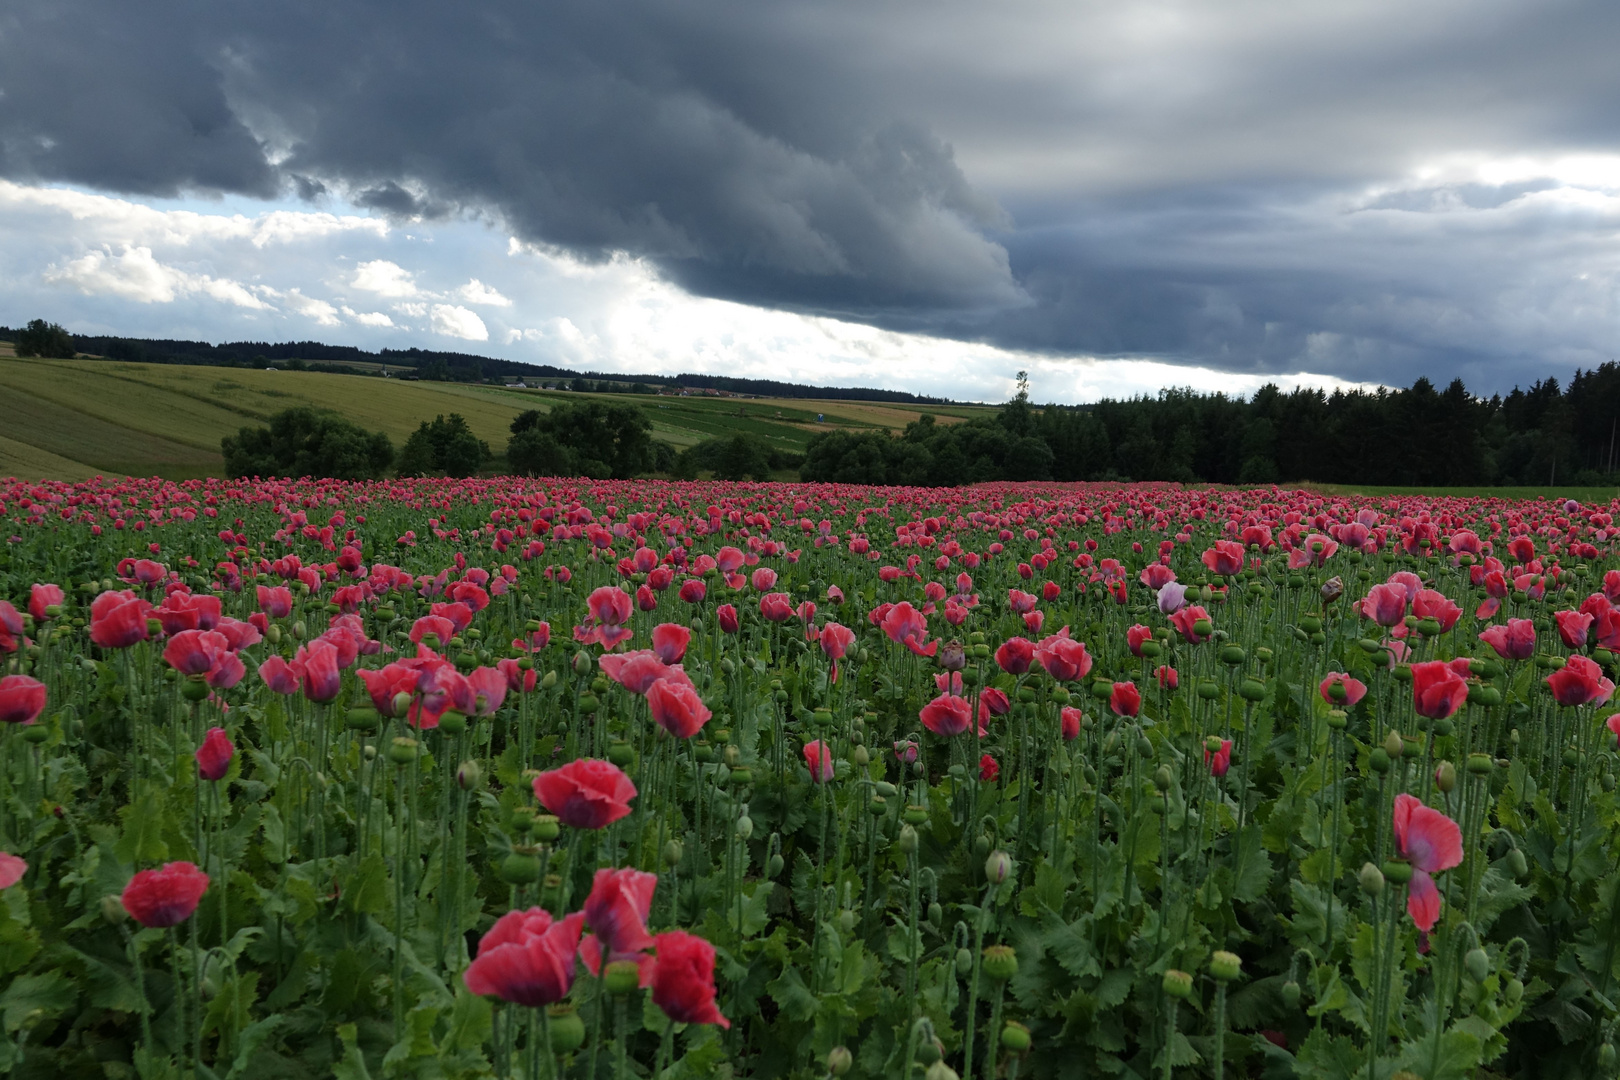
941,1071
1445,776
839,1059
1371,879
1394,745
997,867
469,774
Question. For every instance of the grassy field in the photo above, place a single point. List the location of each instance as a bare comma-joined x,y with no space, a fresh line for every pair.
69,419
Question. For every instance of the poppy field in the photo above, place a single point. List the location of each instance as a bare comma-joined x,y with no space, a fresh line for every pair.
542,779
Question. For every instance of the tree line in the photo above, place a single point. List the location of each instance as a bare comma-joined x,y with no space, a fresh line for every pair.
1420,436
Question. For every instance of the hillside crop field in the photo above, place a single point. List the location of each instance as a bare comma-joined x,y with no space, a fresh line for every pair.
576,779
79,418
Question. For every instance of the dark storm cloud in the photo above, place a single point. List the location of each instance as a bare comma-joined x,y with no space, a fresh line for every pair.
1212,184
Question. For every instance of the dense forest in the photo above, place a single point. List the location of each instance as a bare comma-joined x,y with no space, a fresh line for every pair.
1546,435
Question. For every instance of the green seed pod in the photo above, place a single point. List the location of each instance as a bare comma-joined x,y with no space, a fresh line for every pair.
1203,627
452,722
1337,720
915,815
1397,871
1311,624
1150,649
1480,764
1252,690
402,751
878,806
1369,645
363,718
1000,963
1489,696
1225,966
621,753
1059,694
1371,879
1178,984
1477,963
621,977
1571,755
520,868
740,777
1378,760
1208,690
1318,638
1232,655
588,703
1015,1037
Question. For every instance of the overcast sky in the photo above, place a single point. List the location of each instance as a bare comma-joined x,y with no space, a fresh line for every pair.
923,195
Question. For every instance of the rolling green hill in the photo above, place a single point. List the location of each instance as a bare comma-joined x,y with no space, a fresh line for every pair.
71,419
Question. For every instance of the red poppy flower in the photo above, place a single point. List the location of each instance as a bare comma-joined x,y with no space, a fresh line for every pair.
165,897
683,979
907,626
586,793
1186,623
1579,682
1515,641
22,699
527,958
1219,761
214,755
1063,658
1438,690
118,619
1353,689
1225,558
43,597
1125,700
818,759
1430,604
726,616
676,707
1573,627
618,908
635,671
12,869
988,769
1385,604
669,641
1432,843
1136,636
1069,719
1014,655
947,715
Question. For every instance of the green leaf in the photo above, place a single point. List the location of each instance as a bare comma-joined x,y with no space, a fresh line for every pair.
352,1066
1329,1057
366,890
228,1012
249,1044
1253,866
1455,1058
792,996
754,910
142,839
51,993
471,1022
416,1042
1070,945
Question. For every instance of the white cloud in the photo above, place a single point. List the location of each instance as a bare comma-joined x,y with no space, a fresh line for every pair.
136,274
323,313
476,292
385,279
368,318
454,321
414,310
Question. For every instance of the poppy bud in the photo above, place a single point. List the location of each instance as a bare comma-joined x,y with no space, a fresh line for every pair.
839,1059
1477,963
1178,984
908,839
952,657
941,1071
997,867
964,963
745,827
1000,962
582,663
1445,777
1290,994
1371,879
936,913
1394,745
1513,993
1163,778
774,867
112,909
469,775
1225,966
